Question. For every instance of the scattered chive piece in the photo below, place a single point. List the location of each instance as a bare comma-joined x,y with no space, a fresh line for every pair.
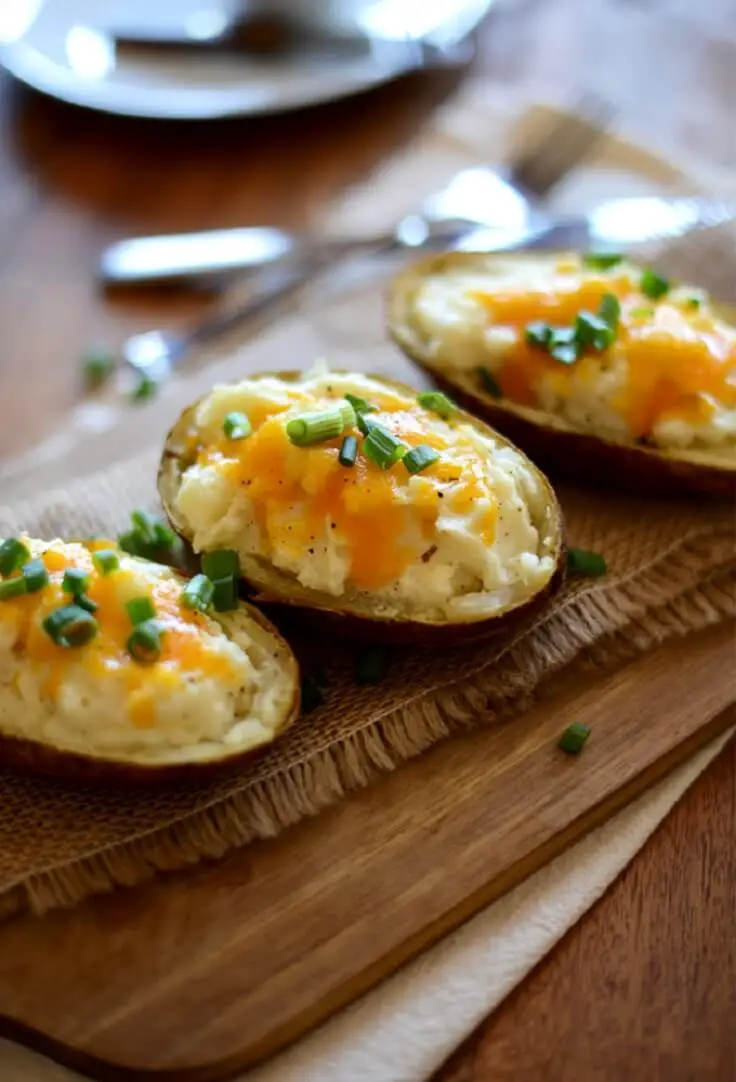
144,390
13,553
602,260
144,642
581,562
693,302
610,310
236,426
105,561
198,594
419,458
348,451
372,665
35,576
225,594
97,366
364,423
642,312
360,405
312,696
75,581
150,538
488,382
70,626
348,415
12,588
593,331
86,603
574,737
221,564
382,447
144,524
538,333
140,610
653,285
436,402
311,428
564,346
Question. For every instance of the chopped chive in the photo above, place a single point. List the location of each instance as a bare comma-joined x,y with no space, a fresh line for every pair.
364,423
372,665
694,302
360,405
13,553
641,312
653,285
382,447
564,346
144,524
140,610
236,426
573,738
593,331
12,588
86,603
75,581
488,382
419,458
105,561
348,451
582,562
610,310
144,642
348,415
225,594
150,538
35,576
70,626
436,402
198,594
602,260
144,390
221,564
312,696
97,366
539,333
311,428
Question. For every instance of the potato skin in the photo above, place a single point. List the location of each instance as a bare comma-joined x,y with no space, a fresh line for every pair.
321,612
579,456
34,757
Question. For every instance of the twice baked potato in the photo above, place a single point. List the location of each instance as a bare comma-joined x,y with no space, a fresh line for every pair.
114,670
597,368
396,517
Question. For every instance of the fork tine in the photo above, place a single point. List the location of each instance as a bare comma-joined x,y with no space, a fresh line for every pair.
567,141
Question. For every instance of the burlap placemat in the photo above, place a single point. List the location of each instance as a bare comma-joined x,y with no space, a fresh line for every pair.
672,571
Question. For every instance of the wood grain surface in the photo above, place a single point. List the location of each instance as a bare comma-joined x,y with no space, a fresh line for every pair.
70,182
298,926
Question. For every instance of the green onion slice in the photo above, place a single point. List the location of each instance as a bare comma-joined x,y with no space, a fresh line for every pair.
539,334
75,581
198,594
602,260
372,665
641,312
35,576
144,642
436,402
225,594
13,553
70,626
574,737
564,346
97,365
12,588
144,390
382,447
582,562
86,603
236,426
311,428
593,331
140,610
105,561
360,405
348,451
488,382
419,458
221,564
610,310
653,285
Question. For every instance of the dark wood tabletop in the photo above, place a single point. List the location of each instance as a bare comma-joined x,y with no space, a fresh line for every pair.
644,988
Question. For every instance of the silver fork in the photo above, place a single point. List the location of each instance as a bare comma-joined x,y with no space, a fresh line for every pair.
482,195
504,202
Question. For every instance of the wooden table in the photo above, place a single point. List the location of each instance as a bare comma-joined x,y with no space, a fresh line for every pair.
643,988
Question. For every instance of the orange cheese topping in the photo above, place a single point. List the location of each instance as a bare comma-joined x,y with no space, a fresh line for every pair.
105,657
679,360
385,522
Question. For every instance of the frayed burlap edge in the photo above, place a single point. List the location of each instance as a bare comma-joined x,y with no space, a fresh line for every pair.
582,632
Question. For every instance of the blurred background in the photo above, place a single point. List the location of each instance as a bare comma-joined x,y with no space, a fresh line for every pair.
138,117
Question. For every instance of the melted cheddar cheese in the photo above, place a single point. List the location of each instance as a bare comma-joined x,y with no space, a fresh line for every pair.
668,379
459,527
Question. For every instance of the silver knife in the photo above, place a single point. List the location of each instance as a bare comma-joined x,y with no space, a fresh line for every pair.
212,255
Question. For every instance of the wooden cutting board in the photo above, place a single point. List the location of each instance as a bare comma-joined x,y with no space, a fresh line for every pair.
202,974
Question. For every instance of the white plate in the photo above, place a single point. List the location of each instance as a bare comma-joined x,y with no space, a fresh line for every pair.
60,48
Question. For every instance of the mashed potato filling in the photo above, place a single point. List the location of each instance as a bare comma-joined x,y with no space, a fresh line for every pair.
459,536
668,379
206,691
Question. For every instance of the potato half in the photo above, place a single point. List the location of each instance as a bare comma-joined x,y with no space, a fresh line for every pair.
223,686
364,549
654,411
